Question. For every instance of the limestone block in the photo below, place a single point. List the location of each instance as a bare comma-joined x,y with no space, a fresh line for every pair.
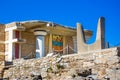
72,72
113,74
65,65
100,60
113,60
2,56
94,71
87,56
101,73
43,74
2,36
11,24
79,78
49,54
2,63
88,64
2,47
68,78
6,36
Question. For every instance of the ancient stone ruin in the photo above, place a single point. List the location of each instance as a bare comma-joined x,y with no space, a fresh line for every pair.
92,62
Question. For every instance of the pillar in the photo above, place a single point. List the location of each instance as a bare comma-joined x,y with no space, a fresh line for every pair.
80,39
75,43
100,35
64,44
40,43
50,43
10,49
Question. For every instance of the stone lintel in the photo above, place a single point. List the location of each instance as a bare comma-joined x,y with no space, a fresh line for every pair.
40,32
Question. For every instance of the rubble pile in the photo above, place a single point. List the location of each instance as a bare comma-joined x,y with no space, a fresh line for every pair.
97,65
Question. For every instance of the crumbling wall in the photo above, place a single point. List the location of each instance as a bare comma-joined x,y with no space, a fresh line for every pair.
97,65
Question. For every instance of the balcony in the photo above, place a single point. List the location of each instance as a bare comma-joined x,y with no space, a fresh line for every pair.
20,28
18,40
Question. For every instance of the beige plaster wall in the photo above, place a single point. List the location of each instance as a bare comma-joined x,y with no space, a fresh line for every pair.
69,42
47,44
29,46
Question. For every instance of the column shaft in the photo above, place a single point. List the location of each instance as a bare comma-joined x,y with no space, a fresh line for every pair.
39,46
11,50
50,43
75,43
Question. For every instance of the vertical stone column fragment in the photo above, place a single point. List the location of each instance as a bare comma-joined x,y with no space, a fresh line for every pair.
100,38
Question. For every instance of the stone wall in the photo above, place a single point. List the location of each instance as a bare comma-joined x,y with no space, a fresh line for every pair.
29,46
69,42
11,24
2,40
96,65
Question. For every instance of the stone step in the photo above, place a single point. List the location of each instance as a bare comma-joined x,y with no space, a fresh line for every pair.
1,71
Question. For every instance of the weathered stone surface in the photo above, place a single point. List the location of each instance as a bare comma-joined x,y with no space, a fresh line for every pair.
43,74
67,67
88,64
49,54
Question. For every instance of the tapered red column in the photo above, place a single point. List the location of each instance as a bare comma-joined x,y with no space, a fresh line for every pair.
40,43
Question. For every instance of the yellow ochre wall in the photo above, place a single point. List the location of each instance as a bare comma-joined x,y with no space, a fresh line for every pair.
30,45
2,40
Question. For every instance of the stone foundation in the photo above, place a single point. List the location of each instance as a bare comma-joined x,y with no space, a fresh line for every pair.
94,65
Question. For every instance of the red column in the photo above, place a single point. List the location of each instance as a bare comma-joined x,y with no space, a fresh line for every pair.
17,35
16,50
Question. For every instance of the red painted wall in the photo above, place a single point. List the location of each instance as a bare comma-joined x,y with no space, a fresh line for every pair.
16,50
17,35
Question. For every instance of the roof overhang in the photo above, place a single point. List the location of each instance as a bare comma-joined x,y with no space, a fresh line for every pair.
51,27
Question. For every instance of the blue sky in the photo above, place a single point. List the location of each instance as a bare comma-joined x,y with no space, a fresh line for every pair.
66,12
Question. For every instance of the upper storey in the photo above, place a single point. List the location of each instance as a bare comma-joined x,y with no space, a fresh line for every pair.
49,27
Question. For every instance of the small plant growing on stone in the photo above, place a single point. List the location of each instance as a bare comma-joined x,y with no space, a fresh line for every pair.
49,69
73,75
59,66
32,75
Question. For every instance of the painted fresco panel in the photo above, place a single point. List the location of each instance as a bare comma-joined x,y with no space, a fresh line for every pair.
57,42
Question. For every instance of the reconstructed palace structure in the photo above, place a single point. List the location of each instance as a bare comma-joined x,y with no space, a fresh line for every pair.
30,39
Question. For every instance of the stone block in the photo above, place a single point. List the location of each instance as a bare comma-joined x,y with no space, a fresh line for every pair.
113,59
88,64
2,47
100,60
43,74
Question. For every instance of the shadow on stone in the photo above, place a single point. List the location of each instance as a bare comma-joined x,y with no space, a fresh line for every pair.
85,73
37,77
